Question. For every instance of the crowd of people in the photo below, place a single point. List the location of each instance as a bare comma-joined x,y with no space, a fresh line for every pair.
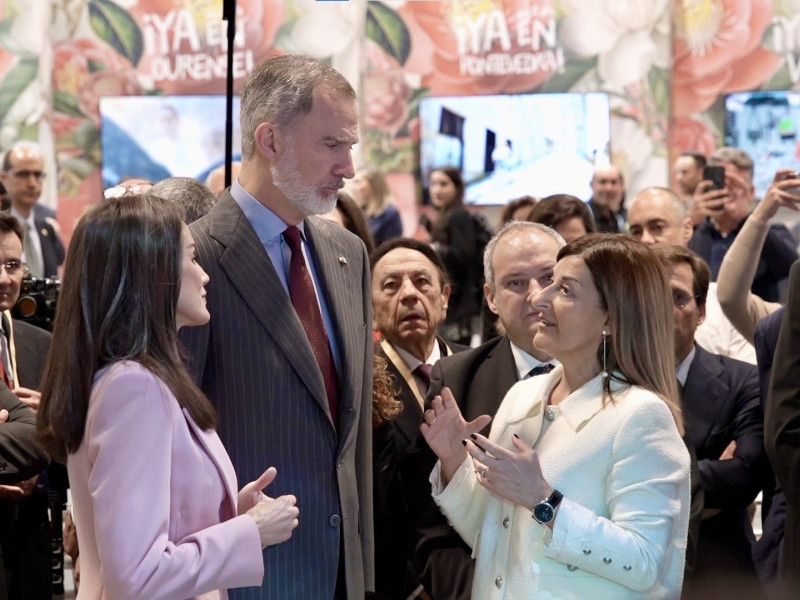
606,437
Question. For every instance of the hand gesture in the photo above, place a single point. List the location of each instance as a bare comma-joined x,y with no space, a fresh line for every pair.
445,430
513,475
276,517
708,202
3,415
19,490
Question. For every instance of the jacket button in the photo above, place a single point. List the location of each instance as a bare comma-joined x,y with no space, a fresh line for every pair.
586,551
607,560
627,568
335,520
499,582
571,568
506,522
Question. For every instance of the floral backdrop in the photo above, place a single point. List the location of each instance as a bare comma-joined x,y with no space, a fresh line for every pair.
666,65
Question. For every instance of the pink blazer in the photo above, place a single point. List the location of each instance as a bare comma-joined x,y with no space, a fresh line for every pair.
154,498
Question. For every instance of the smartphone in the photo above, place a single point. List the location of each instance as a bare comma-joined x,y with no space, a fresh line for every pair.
716,175
792,175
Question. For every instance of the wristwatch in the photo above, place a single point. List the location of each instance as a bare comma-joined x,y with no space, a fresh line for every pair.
545,511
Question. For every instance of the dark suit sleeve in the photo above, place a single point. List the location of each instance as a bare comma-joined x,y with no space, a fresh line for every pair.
736,482
440,557
782,418
20,456
779,251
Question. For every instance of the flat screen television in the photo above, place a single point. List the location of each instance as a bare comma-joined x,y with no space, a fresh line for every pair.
766,125
516,145
154,137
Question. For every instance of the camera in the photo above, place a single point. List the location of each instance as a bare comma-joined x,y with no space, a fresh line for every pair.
37,301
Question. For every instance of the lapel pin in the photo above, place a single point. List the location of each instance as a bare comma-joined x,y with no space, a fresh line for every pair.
343,260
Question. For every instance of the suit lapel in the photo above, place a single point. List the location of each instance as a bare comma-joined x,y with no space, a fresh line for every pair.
214,449
703,396
245,262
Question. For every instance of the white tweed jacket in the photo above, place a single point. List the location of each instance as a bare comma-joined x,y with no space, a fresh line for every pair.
621,529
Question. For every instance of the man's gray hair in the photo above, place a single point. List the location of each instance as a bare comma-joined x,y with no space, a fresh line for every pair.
281,89
738,158
192,197
509,228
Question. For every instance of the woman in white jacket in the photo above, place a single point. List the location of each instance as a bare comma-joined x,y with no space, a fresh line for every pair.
582,488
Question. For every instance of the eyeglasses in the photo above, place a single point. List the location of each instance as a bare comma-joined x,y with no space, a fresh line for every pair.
14,267
126,190
681,299
25,174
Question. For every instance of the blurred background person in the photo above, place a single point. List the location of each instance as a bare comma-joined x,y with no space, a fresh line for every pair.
22,175
216,178
372,194
726,212
607,477
518,209
687,172
194,534
608,197
455,239
567,215
348,214
193,198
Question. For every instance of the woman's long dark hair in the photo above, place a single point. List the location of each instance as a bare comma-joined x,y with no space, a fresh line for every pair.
118,301
454,175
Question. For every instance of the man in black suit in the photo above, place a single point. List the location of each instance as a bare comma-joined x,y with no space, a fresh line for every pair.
724,426
287,356
409,302
781,426
518,263
25,534
22,175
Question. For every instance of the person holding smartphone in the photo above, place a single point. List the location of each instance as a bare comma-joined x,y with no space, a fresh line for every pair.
724,214
154,491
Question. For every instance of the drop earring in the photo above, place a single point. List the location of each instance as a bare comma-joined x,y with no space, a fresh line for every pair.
605,370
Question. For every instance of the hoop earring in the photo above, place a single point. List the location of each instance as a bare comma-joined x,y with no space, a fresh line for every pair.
605,370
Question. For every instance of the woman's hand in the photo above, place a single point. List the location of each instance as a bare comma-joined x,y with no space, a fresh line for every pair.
784,191
445,431
513,475
276,518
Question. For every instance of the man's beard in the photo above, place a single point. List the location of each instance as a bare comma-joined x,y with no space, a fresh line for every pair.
308,199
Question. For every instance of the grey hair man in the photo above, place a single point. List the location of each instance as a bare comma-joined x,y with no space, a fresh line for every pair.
287,356
192,197
518,264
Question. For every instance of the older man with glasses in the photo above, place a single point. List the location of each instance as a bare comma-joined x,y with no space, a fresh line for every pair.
22,175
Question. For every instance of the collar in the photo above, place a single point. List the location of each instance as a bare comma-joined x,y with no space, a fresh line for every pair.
524,362
23,221
577,408
412,362
267,225
682,370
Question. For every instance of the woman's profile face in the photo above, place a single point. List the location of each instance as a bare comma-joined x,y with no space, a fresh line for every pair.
443,191
572,321
192,298
362,189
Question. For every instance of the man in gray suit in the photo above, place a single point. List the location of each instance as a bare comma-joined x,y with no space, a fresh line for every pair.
287,356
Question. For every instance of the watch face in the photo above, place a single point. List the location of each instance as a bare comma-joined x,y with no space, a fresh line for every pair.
543,512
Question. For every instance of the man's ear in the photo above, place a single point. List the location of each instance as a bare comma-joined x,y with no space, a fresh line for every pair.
489,295
688,230
701,314
446,294
265,140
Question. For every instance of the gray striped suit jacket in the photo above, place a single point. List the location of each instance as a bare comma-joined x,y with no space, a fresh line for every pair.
255,363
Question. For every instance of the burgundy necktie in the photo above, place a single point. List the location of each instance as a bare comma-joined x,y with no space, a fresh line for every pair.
424,371
304,299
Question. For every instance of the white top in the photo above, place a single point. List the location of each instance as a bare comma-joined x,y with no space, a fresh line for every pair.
718,335
620,531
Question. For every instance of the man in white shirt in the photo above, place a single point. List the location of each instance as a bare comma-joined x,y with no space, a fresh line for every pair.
657,216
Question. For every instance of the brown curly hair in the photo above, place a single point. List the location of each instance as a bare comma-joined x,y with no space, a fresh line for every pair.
384,390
